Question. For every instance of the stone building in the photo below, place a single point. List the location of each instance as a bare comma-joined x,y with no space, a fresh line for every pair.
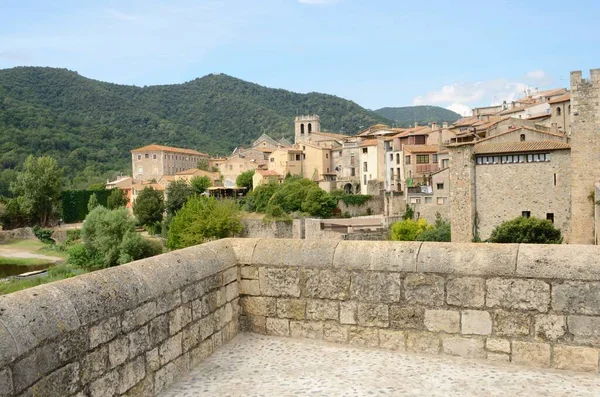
154,161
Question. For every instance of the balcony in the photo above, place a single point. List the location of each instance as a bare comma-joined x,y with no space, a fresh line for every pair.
427,168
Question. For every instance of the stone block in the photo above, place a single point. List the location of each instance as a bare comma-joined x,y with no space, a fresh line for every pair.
6,385
105,386
249,287
259,305
464,347
531,353
577,297
279,281
333,332
192,292
179,318
170,349
409,317
319,310
254,323
425,289
230,275
376,287
232,291
243,249
498,357
348,312
168,302
158,329
498,345
422,342
392,339
249,272
190,337
211,283
131,373
521,294
296,253
164,377
62,382
466,292
549,326
389,256
476,322
373,315
575,358
200,353
510,323
363,336
8,346
306,329
468,259
118,351
442,321
217,339
104,331
326,284
291,308
153,359
142,389
548,261
584,329
278,326
94,364
138,316
210,303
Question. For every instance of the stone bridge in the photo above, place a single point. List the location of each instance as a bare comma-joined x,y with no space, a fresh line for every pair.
317,317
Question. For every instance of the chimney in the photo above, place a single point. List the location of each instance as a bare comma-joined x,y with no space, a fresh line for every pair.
445,124
434,126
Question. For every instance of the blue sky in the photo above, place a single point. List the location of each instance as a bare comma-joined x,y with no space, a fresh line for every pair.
456,54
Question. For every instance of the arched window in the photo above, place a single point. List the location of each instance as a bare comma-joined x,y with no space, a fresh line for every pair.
522,137
302,128
309,128
558,111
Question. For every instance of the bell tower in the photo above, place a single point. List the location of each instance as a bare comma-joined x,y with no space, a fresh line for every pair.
304,126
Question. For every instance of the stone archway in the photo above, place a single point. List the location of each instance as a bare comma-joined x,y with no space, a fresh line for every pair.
348,188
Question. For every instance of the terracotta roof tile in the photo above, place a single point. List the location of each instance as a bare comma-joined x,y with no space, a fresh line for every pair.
562,98
421,148
168,149
518,147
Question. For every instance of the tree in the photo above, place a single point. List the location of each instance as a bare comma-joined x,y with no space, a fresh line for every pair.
202,219
199,184
408,230
526,230
109,239
178,193
116,199
439,232
38,187
258,199
149,206
203,165
245,180
92,202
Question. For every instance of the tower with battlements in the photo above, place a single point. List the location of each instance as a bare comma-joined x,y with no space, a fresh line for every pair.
305,125
585,154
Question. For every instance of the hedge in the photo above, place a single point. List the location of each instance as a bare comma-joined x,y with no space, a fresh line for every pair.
74,203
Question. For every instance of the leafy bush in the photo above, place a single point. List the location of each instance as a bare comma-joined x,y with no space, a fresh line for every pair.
258,199
134,247
149,206
116,199
408,230
92,202
245,179
526,230
178,193
350,199
13,215
439,232
74,203
73,235
299,194
199,184
202,219
408,213
44,235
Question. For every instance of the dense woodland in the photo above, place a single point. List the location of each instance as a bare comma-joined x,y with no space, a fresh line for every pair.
423,115
90,126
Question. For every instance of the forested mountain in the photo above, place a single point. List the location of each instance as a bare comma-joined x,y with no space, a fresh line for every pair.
408,115
90,126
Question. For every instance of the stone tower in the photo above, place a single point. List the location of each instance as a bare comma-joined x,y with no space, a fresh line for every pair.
305,125
462,193
585,154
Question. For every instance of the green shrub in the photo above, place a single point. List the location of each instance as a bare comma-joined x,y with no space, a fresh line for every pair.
73,235
245,179
149,207
202,219
92,202
116,199
408,230
526,230
199,184
74,203
409,213
258,199
134,247
439,232
178,192
44,235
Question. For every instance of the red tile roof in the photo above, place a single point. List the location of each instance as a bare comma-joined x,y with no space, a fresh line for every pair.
421,148
518,147
160,148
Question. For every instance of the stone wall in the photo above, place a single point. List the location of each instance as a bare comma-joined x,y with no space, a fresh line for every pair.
23,233
257,228
374,206
525,304
130,330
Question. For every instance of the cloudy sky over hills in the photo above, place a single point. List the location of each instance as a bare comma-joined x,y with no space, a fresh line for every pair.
378,53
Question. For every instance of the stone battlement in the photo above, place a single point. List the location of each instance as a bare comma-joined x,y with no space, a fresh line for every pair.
310,117
577,79
134,329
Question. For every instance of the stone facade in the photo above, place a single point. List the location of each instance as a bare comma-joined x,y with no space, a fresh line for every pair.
135,329
155,161
462,193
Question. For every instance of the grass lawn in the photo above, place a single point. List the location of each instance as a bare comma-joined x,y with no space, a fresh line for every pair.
58,272
23,261
34,247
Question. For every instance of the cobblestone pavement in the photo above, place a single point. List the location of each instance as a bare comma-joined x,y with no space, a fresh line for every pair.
257,365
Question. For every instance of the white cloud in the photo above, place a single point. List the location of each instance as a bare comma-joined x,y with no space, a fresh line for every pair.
461,109
318,2
536,74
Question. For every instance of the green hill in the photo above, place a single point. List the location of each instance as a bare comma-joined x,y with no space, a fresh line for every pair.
408,115
90,126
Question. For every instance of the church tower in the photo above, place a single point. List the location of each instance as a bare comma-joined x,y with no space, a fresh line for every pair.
305,125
